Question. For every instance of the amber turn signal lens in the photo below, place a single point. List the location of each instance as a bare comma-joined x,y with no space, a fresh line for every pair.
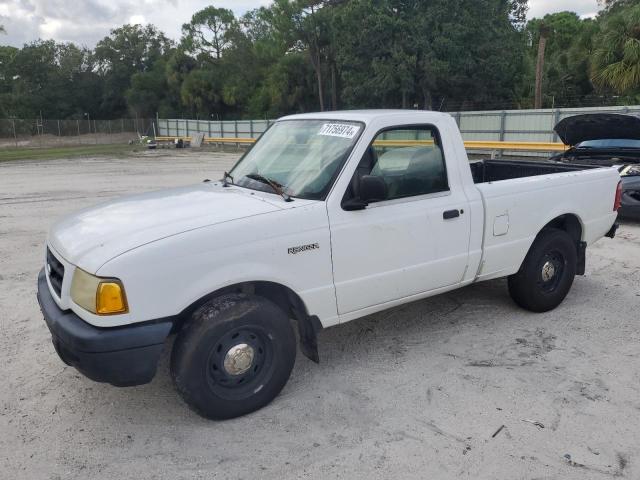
110,299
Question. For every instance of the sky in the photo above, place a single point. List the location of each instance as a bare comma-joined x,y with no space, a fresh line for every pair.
85,22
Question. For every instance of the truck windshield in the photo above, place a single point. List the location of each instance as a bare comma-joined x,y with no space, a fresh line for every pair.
302,157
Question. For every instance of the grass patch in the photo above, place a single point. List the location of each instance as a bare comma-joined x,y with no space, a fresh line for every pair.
49,153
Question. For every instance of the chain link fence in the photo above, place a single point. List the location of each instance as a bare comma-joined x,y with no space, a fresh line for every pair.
15,132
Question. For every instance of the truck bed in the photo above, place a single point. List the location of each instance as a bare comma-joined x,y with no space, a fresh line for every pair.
533,194
485,171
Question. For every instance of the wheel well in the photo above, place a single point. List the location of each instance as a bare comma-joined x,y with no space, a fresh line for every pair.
285,298
571,224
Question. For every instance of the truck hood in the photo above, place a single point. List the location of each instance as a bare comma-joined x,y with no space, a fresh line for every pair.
93,236
598,126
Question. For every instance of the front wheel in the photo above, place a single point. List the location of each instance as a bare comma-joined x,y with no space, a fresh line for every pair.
234,356
547,273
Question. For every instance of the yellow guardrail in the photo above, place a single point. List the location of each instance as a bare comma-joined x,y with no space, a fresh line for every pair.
209,139
469,144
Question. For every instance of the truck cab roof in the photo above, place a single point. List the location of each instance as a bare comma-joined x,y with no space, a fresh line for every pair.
370,116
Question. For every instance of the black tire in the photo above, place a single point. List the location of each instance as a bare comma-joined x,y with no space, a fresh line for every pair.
249,326
541,289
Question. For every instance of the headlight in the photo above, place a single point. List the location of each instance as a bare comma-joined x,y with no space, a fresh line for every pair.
102,296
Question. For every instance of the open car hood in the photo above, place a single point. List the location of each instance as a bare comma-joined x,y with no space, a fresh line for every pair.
598,126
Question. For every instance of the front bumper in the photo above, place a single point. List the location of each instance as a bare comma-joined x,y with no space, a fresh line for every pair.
122,356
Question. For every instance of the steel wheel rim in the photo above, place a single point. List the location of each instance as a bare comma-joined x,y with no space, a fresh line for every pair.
248,378
551,271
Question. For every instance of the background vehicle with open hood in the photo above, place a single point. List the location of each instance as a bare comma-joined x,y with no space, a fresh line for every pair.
606,139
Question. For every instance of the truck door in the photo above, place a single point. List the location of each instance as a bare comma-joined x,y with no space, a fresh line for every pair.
413,241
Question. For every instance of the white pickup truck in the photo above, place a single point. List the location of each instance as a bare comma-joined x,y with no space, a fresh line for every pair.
329,217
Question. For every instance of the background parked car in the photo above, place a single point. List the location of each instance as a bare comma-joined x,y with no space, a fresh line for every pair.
606,139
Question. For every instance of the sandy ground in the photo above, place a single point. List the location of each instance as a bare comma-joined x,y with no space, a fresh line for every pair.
414,392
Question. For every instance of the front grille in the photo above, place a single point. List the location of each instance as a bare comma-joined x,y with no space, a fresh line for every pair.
55,270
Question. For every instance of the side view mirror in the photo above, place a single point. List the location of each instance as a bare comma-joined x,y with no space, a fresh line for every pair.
372,189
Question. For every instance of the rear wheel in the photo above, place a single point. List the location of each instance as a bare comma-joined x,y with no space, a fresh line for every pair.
547,273
234,356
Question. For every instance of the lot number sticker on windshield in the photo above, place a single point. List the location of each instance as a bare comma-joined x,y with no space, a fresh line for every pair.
339,130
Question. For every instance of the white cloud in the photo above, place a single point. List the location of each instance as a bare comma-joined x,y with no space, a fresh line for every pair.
90,20
584,8
50,27
137,20
87,21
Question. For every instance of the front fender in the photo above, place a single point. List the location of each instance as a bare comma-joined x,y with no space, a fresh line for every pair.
165,277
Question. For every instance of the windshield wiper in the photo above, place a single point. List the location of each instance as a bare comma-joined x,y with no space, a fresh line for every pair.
272,183
225,177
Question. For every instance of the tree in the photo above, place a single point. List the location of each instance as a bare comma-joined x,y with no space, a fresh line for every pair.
281,75
147,93
133,47
209,32
616,60
128,50
307,26
7,80
44,77
543,35
177,68
311,30
565,73
403,53
287,87
201,92
611,4
377,58
518,12
301,55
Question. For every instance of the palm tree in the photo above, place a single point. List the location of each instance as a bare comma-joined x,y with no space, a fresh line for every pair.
545,31
616,60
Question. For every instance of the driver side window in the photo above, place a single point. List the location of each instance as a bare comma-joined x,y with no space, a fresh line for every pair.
409,160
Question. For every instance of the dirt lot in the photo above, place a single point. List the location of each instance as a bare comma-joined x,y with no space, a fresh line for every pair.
414,392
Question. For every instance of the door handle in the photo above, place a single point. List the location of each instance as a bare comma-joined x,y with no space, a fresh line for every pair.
449,214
